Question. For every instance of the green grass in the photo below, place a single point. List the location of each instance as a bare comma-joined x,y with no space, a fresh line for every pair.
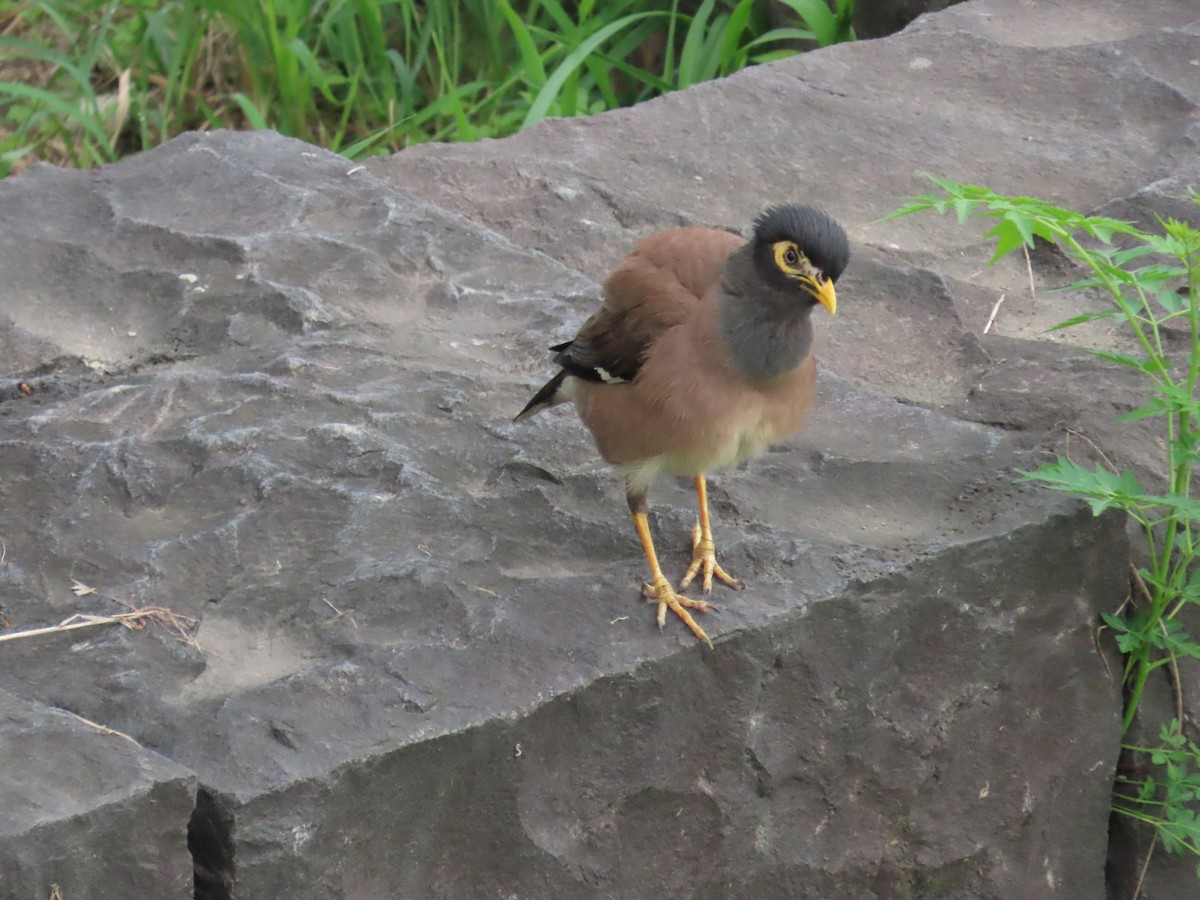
84,82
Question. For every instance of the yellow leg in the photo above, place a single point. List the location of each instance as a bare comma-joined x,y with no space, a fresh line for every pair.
659,589
704,551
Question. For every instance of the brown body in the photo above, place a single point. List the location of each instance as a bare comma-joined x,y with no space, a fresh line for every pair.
706,417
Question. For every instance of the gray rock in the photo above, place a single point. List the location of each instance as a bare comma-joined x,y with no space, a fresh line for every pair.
88,811
272,391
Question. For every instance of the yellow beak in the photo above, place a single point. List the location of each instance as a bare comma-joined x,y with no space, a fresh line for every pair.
824,292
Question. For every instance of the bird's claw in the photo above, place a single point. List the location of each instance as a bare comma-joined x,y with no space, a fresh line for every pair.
661,592
704,563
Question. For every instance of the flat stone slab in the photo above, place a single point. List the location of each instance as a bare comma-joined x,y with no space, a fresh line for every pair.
272,391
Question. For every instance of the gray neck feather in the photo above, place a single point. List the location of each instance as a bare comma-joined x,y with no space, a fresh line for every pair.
765,327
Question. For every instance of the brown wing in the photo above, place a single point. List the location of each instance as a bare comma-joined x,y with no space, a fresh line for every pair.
654,288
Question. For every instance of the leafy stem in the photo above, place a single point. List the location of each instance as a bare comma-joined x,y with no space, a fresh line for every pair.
1151,278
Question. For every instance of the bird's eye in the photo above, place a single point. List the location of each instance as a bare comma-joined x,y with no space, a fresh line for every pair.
788,257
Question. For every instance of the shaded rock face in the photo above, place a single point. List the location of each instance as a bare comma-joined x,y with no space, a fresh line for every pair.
270,390
87,812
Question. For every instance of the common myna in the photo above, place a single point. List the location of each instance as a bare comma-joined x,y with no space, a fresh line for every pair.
699,357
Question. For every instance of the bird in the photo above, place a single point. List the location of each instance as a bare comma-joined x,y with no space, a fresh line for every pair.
700,356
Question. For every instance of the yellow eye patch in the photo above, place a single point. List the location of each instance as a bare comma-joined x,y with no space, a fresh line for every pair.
788,257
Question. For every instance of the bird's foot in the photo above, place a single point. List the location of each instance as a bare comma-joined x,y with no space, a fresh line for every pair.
661,592
704,563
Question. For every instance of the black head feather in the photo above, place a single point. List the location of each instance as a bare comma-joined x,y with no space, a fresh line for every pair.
816,233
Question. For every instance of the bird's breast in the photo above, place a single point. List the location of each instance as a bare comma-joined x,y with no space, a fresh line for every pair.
740,421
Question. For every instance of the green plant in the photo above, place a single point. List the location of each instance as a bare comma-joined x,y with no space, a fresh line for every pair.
86,81
1151,280
824,25
70,114
1162,801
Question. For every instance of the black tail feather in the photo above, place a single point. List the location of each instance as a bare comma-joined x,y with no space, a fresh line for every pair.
543,399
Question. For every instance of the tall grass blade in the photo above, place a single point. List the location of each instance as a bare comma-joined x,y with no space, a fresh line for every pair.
549,92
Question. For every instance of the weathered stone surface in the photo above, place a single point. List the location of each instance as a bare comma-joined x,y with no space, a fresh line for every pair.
273,391
88,811
790,762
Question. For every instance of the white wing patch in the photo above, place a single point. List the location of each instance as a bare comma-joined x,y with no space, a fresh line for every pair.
608,377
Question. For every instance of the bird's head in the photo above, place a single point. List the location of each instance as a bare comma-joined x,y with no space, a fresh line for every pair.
797,246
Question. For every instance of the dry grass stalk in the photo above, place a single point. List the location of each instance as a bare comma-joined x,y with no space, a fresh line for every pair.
135,619
103,728
992,318
1029,269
